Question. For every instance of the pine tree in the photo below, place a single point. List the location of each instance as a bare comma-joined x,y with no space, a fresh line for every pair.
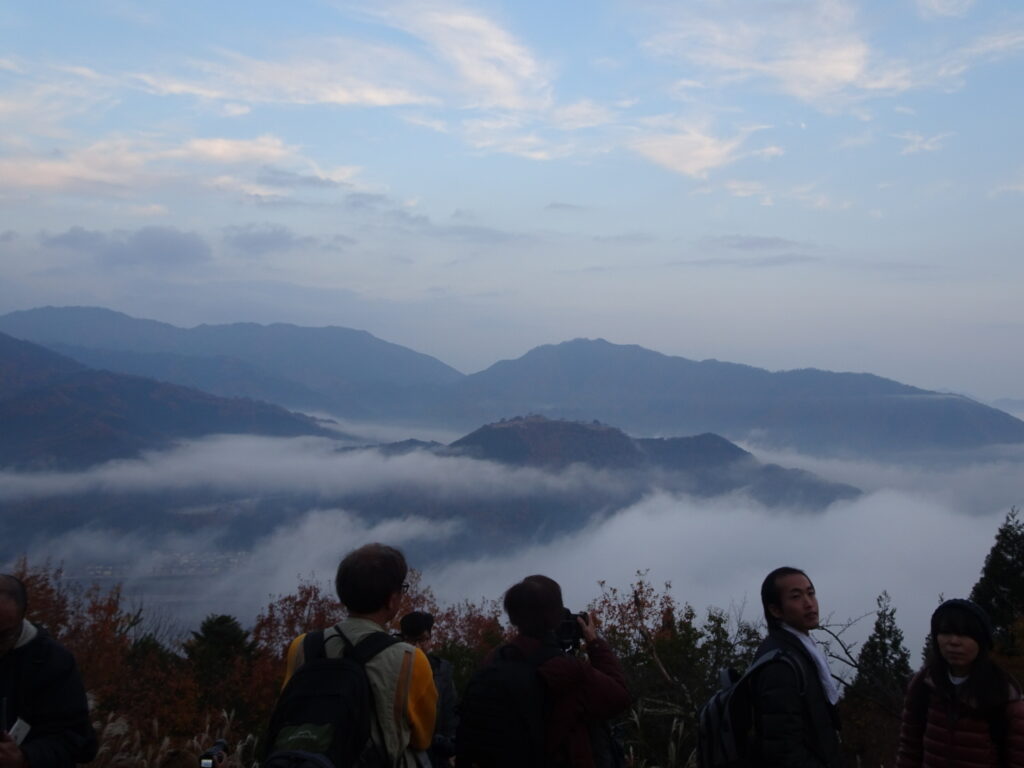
883,666
873,703
221,656
1000,590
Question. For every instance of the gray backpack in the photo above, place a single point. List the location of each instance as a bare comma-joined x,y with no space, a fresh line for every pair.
725,724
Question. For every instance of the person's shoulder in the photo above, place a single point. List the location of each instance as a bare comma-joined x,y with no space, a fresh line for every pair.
45,656
790,665
46,644
783,643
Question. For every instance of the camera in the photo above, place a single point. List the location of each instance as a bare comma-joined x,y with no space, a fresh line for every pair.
215,755
569,632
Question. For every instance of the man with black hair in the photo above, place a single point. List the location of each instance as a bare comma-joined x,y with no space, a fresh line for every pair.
43,708
370,584
416,629
796,722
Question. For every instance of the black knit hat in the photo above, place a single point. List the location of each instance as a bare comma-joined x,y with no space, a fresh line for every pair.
965,617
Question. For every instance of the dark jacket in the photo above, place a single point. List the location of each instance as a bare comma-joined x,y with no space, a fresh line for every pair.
43,687
443,746
583,693
793,730
953,732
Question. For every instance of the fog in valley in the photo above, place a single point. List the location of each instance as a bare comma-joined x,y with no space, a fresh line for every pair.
920,530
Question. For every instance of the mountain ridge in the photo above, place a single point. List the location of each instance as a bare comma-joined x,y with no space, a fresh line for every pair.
61,415
646,392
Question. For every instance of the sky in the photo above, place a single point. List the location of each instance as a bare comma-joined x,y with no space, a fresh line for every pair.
787,184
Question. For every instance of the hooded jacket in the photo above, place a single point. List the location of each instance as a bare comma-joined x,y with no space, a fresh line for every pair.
42,685
796,725
953,732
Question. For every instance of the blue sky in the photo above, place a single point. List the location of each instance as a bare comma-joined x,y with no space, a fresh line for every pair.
782,183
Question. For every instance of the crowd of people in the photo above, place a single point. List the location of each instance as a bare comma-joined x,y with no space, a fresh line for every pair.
355,694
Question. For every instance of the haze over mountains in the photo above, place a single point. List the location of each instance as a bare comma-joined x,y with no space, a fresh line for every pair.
354,375
58,414
180,462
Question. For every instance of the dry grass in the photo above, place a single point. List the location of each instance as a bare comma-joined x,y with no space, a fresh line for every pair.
122,746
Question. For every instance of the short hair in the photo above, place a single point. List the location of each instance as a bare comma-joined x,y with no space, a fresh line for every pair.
770,591
534,605
416,624
368,577
14,590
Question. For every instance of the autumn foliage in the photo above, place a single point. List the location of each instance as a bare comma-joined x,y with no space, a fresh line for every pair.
159,697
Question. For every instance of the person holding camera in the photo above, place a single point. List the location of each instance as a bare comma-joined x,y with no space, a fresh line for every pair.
533,703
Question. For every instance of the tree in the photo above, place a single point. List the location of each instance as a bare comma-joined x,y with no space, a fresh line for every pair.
1000,590
221,655
873,702
883,666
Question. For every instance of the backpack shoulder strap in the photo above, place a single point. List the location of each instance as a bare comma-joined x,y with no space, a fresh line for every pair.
780,655
313,646
363,651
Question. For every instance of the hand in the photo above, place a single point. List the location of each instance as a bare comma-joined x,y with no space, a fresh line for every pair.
589,627
10,753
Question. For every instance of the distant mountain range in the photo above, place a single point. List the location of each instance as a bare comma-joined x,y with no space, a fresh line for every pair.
354,375
57,414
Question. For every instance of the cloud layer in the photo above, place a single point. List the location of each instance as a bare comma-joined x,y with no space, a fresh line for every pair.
920,531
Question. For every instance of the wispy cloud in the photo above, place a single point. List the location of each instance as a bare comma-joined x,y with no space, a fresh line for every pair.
751,242
991,47
344,72
121,167
929,8
493,68
581,114
915,142
263,149
166,247
693,150
758,189
748,262
812,49
261,239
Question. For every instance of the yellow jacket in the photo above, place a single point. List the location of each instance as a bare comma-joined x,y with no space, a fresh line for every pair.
404,695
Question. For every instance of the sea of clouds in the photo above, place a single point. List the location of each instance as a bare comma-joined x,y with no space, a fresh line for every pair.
920,530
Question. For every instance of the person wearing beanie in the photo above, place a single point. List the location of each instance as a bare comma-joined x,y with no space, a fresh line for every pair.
962,708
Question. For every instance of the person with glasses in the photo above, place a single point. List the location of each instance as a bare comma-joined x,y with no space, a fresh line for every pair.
370,584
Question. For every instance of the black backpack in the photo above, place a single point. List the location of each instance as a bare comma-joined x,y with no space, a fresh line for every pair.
503,713
322,717
725,724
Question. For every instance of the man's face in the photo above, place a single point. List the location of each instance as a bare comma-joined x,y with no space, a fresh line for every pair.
10,625
798,605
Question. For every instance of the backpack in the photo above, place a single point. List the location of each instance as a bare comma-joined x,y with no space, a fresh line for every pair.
323,716
725,724
503,713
